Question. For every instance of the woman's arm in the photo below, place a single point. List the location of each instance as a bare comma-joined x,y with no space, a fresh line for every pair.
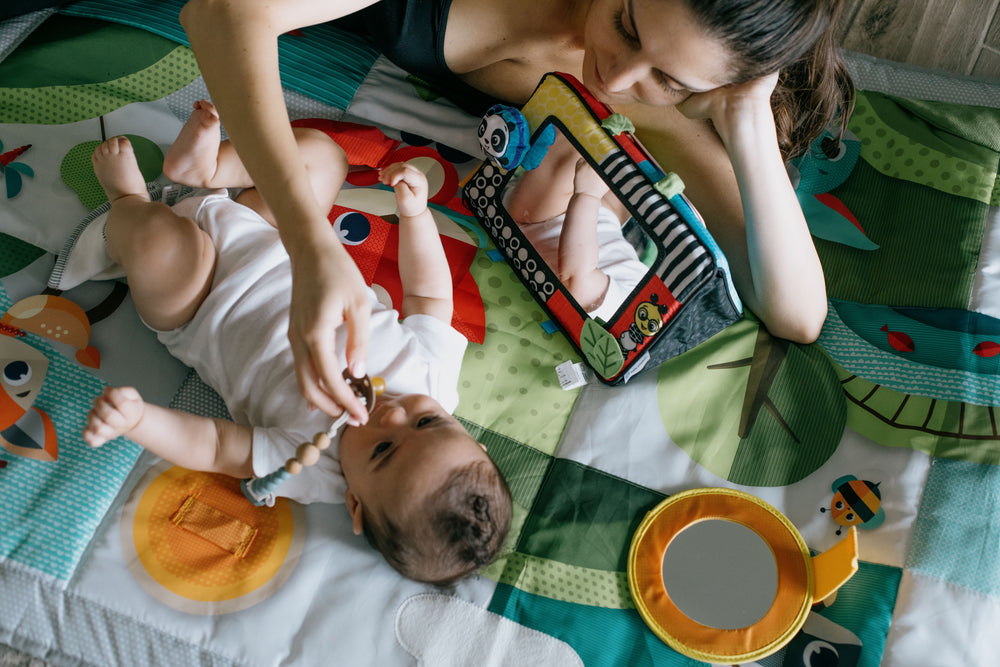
735,176
236,44
190,441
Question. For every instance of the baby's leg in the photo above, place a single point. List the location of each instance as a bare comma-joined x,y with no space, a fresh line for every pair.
168,259
199,159
326,166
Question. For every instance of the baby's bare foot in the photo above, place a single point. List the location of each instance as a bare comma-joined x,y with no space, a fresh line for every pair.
117,170
193,157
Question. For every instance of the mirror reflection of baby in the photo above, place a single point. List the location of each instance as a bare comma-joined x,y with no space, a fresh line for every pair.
212,277
567,212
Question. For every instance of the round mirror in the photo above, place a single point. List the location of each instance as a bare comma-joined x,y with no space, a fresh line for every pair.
721,574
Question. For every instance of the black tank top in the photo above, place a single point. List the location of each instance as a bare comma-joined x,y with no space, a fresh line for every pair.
411,34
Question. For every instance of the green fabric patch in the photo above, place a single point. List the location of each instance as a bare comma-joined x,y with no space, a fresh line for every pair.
978,124
922,233
948,429
568,583
16,254
924,143
508,384
940,142
77,171
66,51
54,105
744,405
585,517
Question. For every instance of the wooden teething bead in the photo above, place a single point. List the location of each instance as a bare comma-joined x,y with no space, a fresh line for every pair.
307,454
321,441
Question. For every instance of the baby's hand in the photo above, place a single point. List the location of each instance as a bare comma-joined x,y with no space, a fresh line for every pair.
115,413
410,185
587,181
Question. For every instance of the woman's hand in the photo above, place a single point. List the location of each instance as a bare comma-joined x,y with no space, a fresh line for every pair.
328,290
723,105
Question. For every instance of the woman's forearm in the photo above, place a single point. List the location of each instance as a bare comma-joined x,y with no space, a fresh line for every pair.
788,289
236,44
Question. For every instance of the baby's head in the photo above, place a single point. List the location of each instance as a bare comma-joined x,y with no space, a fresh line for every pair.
423,491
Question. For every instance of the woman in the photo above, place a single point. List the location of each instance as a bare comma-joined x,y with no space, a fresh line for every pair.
697,78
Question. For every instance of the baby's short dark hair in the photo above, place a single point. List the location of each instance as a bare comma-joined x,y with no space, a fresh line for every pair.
460,528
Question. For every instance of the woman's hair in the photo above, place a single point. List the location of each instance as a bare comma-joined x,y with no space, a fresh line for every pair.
460,527
797,38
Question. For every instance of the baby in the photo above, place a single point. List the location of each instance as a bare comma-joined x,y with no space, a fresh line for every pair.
212,277
568,213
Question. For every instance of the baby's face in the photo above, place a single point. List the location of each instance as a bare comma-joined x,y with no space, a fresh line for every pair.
409,447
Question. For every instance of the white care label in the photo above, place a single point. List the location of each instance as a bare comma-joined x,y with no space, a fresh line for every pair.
571,375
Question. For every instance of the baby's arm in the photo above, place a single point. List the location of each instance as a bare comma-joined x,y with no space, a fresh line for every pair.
423,266
578,248
190,441
543,192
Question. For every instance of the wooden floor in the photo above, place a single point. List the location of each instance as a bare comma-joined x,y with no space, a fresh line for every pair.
955,35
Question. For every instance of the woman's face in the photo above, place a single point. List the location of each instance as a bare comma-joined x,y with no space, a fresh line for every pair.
650,51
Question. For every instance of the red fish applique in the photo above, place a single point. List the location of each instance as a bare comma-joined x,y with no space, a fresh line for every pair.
899,340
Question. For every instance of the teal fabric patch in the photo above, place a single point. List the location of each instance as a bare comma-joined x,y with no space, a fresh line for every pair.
849,349
864,606
601,637
51,509
320,61
956,537
620,637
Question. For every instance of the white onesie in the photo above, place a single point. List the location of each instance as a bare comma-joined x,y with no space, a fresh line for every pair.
238,344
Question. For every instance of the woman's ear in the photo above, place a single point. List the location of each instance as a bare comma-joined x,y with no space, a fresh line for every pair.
354,507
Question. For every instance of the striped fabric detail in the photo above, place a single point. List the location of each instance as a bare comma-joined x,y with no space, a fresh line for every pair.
685,262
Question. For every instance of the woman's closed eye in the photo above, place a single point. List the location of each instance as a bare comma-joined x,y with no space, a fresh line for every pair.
669,86
623,31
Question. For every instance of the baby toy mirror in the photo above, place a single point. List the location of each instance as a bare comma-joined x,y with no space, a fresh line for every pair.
597,232
721,574
583,232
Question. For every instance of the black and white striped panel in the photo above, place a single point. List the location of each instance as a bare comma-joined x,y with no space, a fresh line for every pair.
683,261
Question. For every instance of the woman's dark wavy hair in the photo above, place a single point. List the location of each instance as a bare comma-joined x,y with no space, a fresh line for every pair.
797,38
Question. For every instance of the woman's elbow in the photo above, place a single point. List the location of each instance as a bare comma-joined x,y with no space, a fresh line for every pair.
803,326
